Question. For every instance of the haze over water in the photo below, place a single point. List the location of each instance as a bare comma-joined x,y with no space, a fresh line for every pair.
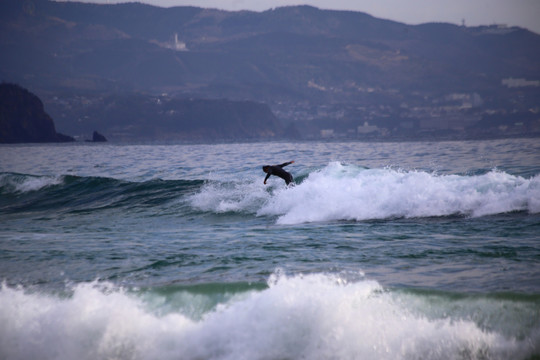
381,251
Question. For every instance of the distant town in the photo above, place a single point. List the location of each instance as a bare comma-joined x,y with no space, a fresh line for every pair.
455,115
452,116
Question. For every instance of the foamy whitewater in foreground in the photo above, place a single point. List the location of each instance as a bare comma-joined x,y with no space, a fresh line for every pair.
380,251
313,317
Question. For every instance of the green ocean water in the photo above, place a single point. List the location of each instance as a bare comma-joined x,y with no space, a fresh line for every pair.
426,250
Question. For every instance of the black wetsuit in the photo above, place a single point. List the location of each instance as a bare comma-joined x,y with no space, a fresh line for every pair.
277,170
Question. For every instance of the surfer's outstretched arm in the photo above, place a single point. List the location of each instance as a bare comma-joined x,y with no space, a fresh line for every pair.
266,178
287,163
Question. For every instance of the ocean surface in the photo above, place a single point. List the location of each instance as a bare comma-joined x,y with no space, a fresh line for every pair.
414,250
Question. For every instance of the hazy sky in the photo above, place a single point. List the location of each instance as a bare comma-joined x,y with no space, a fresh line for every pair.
524,13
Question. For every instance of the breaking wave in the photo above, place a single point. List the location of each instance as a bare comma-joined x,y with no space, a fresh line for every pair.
347,192
333,193
316,316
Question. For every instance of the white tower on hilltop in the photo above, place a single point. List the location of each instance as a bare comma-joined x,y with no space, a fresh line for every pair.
179,45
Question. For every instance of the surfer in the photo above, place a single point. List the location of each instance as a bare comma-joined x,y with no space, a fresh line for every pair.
277,170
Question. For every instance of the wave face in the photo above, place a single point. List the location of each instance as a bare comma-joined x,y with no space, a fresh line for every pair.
68,193
300,317
348,192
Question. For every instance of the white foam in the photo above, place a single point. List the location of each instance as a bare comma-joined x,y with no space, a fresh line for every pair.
345,192
299,317
95,323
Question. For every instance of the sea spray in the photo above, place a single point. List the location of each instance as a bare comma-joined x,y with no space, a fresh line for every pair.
221,197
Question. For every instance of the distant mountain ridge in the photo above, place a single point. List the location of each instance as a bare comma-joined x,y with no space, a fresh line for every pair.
296,59
122,43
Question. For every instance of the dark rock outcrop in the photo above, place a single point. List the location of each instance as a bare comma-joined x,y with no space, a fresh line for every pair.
23,118
97,137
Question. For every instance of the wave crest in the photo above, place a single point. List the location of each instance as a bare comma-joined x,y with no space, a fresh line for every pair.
19,183
340,193
348,192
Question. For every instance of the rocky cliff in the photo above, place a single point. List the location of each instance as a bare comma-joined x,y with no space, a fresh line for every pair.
23,118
